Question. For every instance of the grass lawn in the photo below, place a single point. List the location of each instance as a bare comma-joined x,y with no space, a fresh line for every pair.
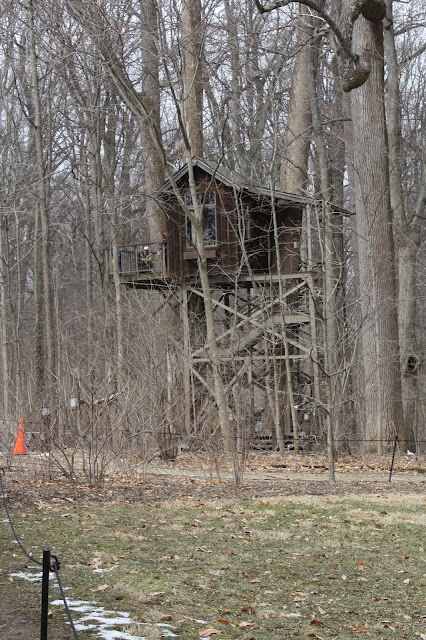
303,567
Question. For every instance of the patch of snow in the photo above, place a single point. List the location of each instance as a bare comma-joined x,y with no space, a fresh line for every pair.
84,627
97,619
110,634
56,586
77,605
104,620
167,632
29,577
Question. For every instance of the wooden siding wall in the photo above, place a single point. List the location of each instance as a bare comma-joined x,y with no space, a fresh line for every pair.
226,256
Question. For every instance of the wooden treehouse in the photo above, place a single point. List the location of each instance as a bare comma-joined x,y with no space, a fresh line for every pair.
261,292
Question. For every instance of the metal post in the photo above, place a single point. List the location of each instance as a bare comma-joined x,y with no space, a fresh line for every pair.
45,594
393,457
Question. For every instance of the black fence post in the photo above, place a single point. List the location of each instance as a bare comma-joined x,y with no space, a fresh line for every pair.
45,594
393,457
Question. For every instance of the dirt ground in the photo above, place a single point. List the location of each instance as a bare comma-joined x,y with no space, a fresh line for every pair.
192,477
16,624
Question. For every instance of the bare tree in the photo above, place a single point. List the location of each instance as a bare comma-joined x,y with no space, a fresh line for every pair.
294,167
192,37
362,73
43,203
408,236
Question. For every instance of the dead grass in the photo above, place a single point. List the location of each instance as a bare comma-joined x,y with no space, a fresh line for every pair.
308,567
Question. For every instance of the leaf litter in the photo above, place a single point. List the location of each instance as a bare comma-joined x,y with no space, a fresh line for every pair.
348,539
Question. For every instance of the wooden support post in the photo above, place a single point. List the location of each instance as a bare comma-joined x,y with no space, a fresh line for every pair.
314,347
310,284
186,362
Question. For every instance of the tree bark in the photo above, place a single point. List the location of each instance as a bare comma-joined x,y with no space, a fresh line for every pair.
384,417
408,239
43,201
192,73
154,164
294,167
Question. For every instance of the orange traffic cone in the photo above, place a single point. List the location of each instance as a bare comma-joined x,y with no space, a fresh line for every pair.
20,439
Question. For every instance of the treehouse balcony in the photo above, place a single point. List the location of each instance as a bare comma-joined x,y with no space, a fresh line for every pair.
141,265
179,267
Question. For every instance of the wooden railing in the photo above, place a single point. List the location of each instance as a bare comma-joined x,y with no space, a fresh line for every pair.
132,261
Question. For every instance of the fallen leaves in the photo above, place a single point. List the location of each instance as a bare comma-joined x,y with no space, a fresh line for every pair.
251,608
363,629
208,631
317,623
101,587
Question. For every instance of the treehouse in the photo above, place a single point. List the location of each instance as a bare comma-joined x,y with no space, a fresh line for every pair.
261,289
238,225
248,232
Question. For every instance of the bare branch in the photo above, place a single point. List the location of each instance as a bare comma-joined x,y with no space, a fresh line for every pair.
315,7
353,70
415,55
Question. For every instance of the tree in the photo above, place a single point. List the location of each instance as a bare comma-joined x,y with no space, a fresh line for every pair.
408,233
384,416
363,75
43,203
192,73
294,167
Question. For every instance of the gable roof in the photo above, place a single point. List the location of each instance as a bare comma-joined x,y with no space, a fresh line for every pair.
232,179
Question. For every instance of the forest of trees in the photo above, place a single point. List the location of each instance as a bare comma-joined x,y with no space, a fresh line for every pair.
102,101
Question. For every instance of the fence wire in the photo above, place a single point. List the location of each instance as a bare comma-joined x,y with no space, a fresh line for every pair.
54,567
29,555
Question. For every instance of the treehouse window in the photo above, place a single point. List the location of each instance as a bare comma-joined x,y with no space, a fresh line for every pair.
209,218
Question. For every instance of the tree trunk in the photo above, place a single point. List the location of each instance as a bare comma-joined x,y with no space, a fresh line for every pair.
154,163
332,345
408,239
197,220
294,168
4,321
192,73
109,185
384,417
42,186
408,248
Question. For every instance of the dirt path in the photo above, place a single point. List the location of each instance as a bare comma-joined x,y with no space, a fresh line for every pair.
193,476
24,490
